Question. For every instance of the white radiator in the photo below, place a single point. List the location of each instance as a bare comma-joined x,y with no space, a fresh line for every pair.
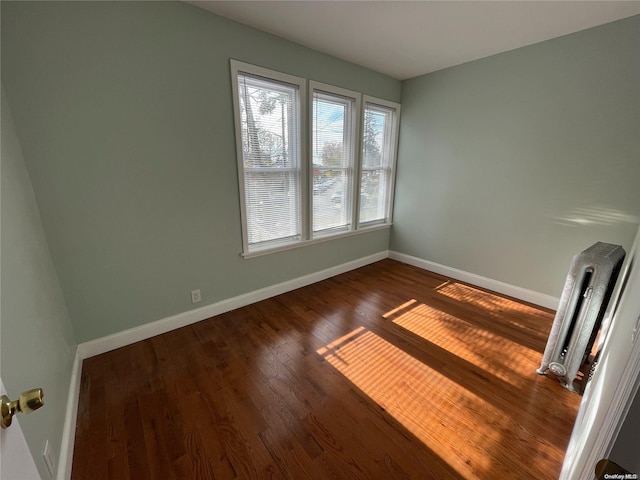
584,300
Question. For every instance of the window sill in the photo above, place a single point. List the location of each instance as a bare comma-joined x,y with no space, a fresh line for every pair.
305,243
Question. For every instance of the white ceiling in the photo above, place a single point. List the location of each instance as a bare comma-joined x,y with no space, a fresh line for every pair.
404,39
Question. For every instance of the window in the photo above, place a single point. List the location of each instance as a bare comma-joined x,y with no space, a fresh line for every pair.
268,117
292,196
333,152
379,140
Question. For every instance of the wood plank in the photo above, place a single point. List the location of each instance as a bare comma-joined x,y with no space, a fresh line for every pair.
386,371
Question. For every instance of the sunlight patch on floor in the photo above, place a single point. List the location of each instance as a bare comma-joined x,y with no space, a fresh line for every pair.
490,351
339,341
400,308
439,412
488,301
454,420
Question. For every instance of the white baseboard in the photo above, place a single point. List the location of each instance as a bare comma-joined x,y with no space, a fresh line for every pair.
506,289
67,443
132,335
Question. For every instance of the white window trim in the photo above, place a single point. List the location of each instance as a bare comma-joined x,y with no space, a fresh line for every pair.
240,67
259,252
356,147
395,128
306,172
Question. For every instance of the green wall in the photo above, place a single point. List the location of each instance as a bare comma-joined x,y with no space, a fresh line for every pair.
510,165
37,341
124,114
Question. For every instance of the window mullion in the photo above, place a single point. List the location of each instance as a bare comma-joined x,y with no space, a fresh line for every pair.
304,160
357,168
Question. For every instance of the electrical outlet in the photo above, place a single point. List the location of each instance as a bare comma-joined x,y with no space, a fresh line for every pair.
195,296
49,458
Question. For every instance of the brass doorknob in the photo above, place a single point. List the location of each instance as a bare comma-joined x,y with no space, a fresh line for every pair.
27,403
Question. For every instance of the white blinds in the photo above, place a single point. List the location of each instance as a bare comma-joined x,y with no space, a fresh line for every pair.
333,152
378,140
270,130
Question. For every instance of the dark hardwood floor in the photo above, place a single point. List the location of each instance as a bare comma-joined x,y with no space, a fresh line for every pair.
384,372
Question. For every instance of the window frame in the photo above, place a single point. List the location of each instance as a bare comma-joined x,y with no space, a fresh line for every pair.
332,90
391,150
306,90
239,68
